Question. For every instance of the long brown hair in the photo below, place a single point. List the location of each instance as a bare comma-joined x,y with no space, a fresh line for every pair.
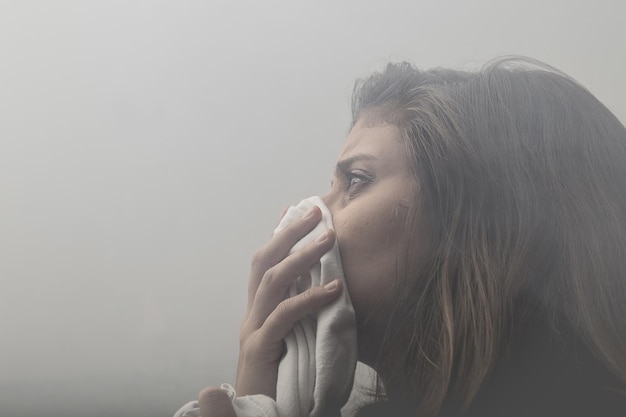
521,178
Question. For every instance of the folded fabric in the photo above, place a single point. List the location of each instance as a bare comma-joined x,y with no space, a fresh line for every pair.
316,373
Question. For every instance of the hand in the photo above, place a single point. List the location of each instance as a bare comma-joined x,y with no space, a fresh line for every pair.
270,315
214,402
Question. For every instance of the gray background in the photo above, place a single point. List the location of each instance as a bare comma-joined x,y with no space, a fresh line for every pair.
148,147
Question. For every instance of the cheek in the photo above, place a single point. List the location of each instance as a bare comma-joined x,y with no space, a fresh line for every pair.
369,252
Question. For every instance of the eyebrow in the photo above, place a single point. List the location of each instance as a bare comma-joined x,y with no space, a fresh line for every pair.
344,165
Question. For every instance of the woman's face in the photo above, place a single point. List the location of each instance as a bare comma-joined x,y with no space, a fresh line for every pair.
370,198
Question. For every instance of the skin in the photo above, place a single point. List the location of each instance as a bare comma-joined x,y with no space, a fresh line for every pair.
369,199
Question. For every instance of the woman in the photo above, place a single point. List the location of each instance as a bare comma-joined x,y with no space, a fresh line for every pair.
481,220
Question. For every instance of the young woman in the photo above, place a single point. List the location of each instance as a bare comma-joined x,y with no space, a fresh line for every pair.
481,220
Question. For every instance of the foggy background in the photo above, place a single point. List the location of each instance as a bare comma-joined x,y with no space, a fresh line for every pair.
148,147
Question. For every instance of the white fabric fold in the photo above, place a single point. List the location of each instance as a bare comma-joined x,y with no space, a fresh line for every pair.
316,373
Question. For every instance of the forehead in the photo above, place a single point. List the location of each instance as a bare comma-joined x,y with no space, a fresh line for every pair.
380,140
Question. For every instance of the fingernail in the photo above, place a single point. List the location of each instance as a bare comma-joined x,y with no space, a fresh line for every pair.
331,285
322,238
310,213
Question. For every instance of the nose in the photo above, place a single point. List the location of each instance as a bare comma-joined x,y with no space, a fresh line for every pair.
330,200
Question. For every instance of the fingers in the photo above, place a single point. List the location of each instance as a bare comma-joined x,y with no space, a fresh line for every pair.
282,214
289,311
278,247
214,402
261,351
270,316
276,281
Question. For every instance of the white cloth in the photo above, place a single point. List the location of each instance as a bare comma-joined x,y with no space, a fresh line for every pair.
315,375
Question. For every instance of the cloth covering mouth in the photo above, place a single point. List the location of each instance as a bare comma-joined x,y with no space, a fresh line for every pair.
316,373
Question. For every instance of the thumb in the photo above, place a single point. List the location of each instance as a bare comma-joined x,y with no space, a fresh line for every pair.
215,402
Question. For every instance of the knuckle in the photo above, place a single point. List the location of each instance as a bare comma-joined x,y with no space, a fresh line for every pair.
308,297
251,341
252,348
312,252
258,258
318,297
299,303
285,307
295,229
243,338
243,326
269,276
296,305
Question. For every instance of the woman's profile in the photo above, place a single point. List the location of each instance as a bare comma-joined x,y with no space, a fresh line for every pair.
481,223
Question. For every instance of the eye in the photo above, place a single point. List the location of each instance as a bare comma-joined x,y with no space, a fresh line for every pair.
356,182
351,182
